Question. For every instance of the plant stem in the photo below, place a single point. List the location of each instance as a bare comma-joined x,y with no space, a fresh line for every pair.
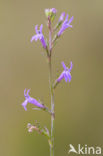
51,90
52,109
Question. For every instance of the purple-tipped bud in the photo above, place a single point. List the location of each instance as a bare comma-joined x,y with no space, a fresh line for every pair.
62,17
66,73
51,13
39,35
53,10
31,100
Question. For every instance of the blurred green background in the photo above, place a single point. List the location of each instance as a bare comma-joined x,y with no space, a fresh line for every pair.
78,105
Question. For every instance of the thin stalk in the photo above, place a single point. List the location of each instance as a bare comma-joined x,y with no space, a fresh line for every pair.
52,109
51,90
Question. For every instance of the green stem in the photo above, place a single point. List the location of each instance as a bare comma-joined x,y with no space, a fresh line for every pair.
52,109
51,89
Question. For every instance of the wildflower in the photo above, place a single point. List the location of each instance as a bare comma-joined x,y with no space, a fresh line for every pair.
31,100
65,25
39,36
66,73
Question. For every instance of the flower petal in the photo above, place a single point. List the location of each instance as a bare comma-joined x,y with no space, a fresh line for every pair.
67,17
41,27
24,104
35,37
64,66
36,29
69,76
71,19
27,94
65,77
71,66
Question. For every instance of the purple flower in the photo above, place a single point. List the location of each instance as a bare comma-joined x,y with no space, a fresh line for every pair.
39,36
66,73
65,25
62,17
31,100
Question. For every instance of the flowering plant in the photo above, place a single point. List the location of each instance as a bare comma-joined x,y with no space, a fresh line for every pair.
60,27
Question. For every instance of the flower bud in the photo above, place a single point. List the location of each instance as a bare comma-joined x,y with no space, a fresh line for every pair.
47,12
53,10
62,17
51,13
